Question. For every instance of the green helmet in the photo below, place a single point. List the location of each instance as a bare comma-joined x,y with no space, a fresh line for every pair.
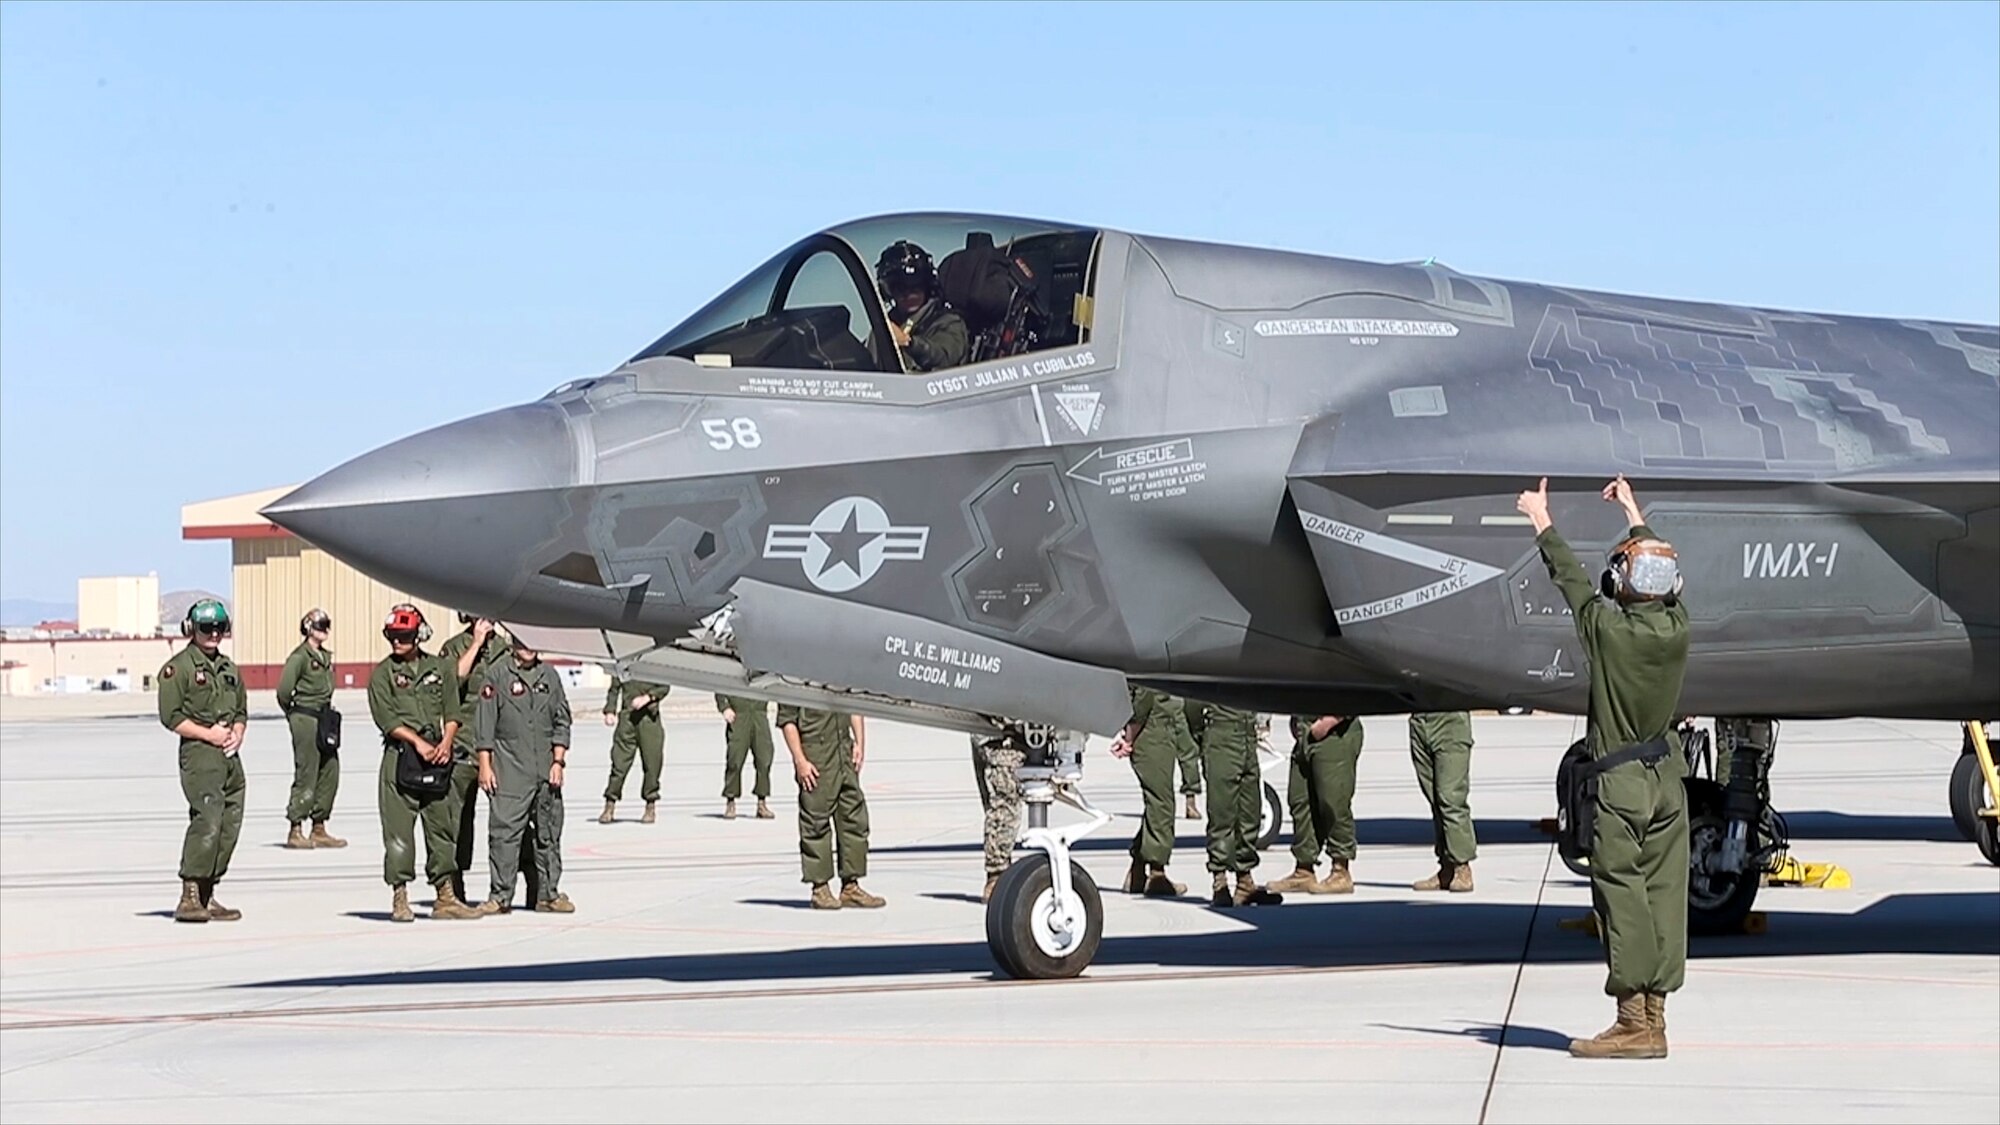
207,614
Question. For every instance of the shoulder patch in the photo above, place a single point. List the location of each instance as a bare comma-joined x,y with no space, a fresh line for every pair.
485,691
167,672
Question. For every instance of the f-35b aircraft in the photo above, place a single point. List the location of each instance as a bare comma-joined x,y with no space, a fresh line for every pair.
1274,480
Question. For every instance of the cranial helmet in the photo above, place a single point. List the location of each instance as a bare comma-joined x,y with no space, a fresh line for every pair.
207,615
314,619
406,621
1642,570
902,266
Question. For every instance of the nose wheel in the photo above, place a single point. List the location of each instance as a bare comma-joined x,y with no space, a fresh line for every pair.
1046,918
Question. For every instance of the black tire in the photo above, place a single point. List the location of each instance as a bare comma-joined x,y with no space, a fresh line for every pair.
1716,904
1273,819
1986,833
1023,889
1968,795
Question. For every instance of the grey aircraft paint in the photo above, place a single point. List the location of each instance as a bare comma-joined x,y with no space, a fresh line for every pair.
1266,478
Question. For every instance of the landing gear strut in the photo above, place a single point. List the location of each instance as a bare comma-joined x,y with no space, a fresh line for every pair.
1045,918
1983,792
1733,835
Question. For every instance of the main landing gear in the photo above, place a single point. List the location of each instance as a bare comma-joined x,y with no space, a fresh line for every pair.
1045,918
1975,791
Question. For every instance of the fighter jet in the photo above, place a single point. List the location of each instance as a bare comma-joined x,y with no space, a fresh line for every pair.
1275,480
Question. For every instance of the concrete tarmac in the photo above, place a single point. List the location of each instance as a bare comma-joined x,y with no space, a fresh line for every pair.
693,984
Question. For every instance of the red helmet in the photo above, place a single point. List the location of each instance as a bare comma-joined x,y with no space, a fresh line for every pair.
406,620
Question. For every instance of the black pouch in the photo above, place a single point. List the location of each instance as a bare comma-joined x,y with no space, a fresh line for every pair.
1576,790
326,735
415,775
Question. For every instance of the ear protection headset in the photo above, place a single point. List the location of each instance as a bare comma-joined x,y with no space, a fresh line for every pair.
405,619
1641,570
314,619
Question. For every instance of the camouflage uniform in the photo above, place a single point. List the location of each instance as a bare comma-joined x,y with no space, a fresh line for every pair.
993,767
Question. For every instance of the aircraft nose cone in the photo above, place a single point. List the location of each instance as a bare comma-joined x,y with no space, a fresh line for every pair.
446,514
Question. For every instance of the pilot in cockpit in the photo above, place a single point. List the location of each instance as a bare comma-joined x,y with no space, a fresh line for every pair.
928,334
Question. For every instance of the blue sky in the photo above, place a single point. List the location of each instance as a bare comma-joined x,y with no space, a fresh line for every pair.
239,244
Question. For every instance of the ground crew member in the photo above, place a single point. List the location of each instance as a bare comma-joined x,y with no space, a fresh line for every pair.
1189,756
928,334
828,748
521,730
1441,752
995,766
1636,641
1149,740
305,688
746,728
1325,751
201,698
632,708
1228,738
473,652
414,700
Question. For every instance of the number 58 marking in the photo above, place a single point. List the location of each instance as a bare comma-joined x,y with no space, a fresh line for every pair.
728,433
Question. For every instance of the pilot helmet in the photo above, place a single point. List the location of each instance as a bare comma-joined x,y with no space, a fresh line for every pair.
209,616
314,619
904,265
1642,570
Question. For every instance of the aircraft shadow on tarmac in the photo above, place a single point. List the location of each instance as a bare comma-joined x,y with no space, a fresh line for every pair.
1812,824
1302,933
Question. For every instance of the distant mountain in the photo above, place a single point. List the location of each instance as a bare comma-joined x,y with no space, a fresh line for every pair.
24,612
174,606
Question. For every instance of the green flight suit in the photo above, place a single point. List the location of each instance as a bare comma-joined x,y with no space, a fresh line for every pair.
208,690
639,732
420,693
938,338
304,688
1321,790
750,732
1441,753
1639,859
521,717
1228,738
1159,716
464,763
1188,754
835,811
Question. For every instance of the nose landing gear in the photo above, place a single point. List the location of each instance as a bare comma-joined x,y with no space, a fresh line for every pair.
1046,918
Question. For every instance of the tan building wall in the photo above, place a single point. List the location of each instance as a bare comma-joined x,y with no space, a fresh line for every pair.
138,657
125,607
275,581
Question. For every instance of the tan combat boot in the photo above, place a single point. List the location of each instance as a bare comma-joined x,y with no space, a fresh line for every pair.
822,898
321,838
1191,811
190,909
557,905
1159,886
296,840
1339,881
729,808
1248,893
399,905
605,816
1302,878
764,811
851,894
1218,889
495,905
1631,1037
648,816
1656,1020
216,911
1135,878
448,905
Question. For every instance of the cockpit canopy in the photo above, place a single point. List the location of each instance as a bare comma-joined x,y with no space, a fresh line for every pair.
1019,285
